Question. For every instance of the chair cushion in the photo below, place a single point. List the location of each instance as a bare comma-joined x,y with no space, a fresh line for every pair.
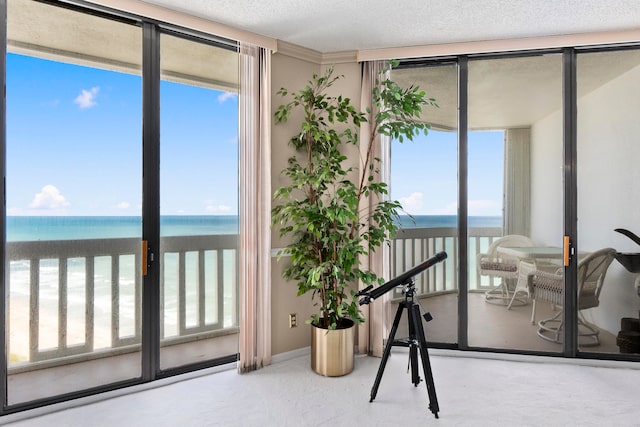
498,266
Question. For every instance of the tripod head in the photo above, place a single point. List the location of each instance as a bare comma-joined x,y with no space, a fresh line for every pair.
405,279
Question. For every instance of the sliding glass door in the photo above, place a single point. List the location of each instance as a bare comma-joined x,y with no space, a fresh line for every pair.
608,201
424,178
515,193
198,201
93,122
550,143
73,190
508,172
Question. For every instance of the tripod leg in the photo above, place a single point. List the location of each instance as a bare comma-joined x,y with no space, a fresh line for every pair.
426,364
413,348
387,351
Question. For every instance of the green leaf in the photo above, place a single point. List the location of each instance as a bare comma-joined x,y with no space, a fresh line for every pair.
318,209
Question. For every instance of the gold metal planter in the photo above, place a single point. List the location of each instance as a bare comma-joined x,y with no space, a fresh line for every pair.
332,350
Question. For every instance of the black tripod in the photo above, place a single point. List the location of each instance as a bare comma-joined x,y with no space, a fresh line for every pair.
416,341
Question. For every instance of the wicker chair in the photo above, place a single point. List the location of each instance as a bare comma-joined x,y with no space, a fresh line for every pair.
548,287
494,264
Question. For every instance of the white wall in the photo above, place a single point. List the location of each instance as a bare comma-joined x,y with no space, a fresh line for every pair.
608,194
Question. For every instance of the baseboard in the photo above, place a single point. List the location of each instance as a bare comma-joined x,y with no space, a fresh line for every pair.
288,355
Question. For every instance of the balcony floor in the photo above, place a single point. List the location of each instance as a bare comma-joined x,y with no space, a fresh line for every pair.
493,326
472,390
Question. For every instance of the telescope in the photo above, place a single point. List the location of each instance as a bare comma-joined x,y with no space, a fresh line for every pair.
405,278
417,342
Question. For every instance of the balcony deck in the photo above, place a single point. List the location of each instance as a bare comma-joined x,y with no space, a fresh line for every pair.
493,326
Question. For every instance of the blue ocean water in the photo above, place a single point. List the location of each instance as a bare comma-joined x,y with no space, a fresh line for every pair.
428,221
30,228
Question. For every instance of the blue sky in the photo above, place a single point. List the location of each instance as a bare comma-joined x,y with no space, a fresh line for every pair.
75,143
74,148
424,173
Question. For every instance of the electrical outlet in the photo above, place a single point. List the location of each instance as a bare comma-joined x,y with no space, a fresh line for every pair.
293,321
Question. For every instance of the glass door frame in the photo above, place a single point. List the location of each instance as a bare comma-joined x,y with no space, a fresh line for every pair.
7,408
570,89
153,190
151,233
3,214
463,205
569,201
150,145
569,348
151,201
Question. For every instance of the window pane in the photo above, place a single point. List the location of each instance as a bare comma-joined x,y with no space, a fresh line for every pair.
73,200
515,195
198,201
424,179
608,199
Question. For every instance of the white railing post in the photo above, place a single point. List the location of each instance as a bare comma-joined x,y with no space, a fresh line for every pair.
413,245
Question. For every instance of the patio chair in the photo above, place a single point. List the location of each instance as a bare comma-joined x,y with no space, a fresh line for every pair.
549,287
493,264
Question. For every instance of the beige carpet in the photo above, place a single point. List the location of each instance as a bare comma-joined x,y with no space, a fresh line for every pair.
471,391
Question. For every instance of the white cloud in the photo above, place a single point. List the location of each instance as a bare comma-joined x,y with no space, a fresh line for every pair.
49,198
218,208
87,98
225,96
412,204
15,211
123,205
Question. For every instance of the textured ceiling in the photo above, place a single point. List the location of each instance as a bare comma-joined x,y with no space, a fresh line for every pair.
344,25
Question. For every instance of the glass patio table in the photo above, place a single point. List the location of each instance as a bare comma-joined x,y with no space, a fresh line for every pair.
532,252
530,259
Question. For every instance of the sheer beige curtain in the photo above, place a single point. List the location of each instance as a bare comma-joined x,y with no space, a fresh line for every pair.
373,332
517,181
255,208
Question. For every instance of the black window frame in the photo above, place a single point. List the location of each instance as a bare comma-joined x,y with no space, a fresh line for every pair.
150,145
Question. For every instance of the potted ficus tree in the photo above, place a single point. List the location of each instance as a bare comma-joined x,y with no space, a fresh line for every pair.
319,210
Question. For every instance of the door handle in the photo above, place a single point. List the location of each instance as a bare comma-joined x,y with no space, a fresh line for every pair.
566,250
145,249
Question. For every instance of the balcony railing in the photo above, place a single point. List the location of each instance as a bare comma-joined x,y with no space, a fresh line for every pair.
413,245
83,298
